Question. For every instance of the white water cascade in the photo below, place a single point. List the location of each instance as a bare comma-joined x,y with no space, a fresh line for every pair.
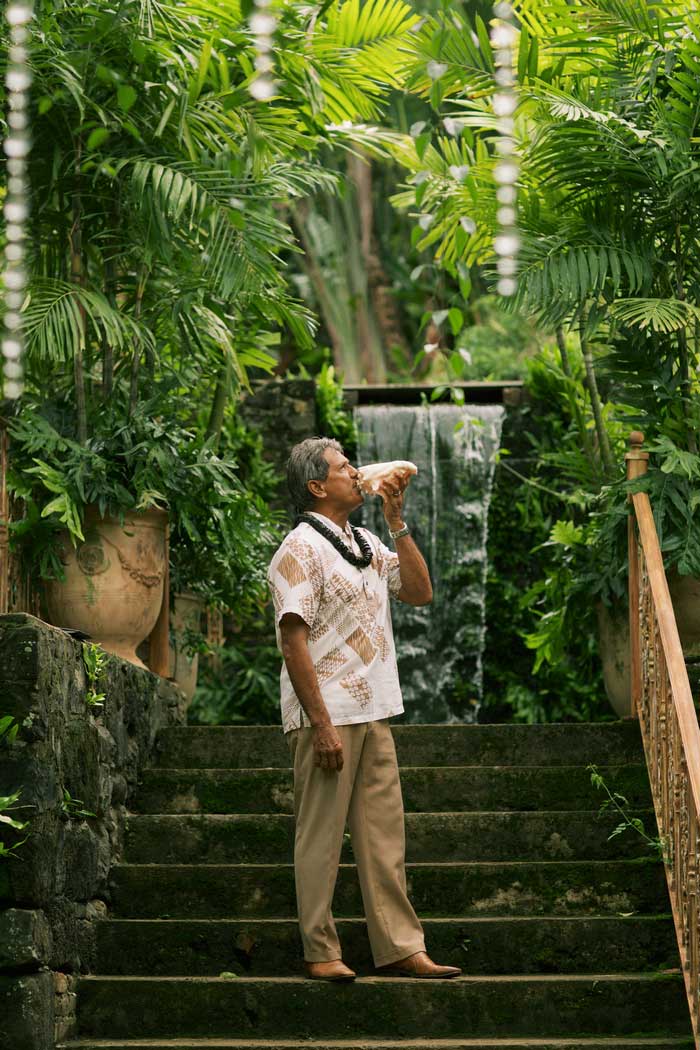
439,646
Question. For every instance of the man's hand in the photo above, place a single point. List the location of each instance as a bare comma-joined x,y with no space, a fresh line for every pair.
327,747
391,491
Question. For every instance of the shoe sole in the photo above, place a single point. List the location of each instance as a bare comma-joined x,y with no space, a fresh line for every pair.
420,976
332,980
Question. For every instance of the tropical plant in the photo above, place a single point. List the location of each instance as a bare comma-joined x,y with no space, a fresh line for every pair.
159,236
552,552
239,682
9,728
221,522
334,419
95,661
606,133
225,527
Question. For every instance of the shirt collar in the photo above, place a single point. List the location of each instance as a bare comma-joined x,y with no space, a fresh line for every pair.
346,532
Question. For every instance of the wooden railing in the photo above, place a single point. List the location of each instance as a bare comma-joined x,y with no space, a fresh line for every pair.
663,702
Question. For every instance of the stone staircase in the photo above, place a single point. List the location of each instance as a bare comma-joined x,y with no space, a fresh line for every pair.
564,937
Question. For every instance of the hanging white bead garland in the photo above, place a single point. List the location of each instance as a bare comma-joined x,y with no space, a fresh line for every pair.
507,241
262,25
16,146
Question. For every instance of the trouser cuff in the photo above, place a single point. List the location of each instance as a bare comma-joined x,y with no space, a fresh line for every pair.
400,953
311,957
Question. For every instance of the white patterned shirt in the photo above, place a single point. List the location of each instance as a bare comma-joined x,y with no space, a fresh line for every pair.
347,609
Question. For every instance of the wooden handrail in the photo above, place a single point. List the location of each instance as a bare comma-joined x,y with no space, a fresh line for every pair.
673,652
662,699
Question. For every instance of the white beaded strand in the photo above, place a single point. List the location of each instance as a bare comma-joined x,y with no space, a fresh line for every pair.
262,25
16,146
507,240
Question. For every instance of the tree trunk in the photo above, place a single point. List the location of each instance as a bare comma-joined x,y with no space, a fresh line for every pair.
563,353
575,407
683,358
596,405
78,278
370,338
136,359
107,348
313,271
379,286
218,407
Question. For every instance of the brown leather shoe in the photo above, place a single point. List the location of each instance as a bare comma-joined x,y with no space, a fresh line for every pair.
336,970
419,965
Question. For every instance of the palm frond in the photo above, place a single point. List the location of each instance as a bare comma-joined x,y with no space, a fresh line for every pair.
656,315
54,327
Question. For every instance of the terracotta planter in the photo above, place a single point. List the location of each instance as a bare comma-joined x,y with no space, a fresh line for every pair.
685,595
114,580
614,649
613,637
186,615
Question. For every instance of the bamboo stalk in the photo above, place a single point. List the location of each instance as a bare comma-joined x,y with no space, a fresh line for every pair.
596,405
78,277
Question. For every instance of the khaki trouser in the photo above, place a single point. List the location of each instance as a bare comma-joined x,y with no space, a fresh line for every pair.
366,793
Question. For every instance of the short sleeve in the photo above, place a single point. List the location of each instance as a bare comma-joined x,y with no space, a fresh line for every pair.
295,578
387,564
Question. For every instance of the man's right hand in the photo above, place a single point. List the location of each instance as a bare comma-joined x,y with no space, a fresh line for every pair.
327,747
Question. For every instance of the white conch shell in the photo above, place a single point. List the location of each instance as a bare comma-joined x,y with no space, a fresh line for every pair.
373,474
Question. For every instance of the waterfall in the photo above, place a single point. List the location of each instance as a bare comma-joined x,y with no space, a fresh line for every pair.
439,646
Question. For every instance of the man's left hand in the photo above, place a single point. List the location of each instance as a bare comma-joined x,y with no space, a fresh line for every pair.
391,491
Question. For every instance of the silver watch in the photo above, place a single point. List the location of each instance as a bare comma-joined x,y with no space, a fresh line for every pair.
401,532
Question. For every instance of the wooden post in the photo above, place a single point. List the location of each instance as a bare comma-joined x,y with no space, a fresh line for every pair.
159,638
636,461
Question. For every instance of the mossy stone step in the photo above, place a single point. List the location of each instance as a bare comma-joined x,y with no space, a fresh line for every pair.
262,838
251,747
425,789
377,1007
582,1043
211,891
269,948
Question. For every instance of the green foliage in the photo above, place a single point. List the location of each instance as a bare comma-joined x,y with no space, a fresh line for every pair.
95,661
620,805
334,420
8,733
225,532
73,807
8,729
557,545
221,525
8,803
241,683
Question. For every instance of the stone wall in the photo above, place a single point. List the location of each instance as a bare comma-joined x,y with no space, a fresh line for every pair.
283,411
55,890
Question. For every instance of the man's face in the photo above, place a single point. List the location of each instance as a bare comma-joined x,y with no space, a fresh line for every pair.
341,486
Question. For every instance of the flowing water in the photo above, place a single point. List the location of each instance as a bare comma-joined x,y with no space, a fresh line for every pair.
439,646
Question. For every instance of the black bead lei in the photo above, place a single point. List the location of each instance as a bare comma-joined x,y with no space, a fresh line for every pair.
361,561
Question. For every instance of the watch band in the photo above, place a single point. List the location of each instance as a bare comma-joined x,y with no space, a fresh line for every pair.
405,531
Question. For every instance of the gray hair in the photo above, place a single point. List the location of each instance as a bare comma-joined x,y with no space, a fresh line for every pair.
307,463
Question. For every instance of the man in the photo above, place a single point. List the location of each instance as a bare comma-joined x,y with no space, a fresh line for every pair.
339,686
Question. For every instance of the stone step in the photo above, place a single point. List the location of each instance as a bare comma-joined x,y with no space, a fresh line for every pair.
381,1007
249,747
262,838
425,789
268,948
582,1043
211,891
